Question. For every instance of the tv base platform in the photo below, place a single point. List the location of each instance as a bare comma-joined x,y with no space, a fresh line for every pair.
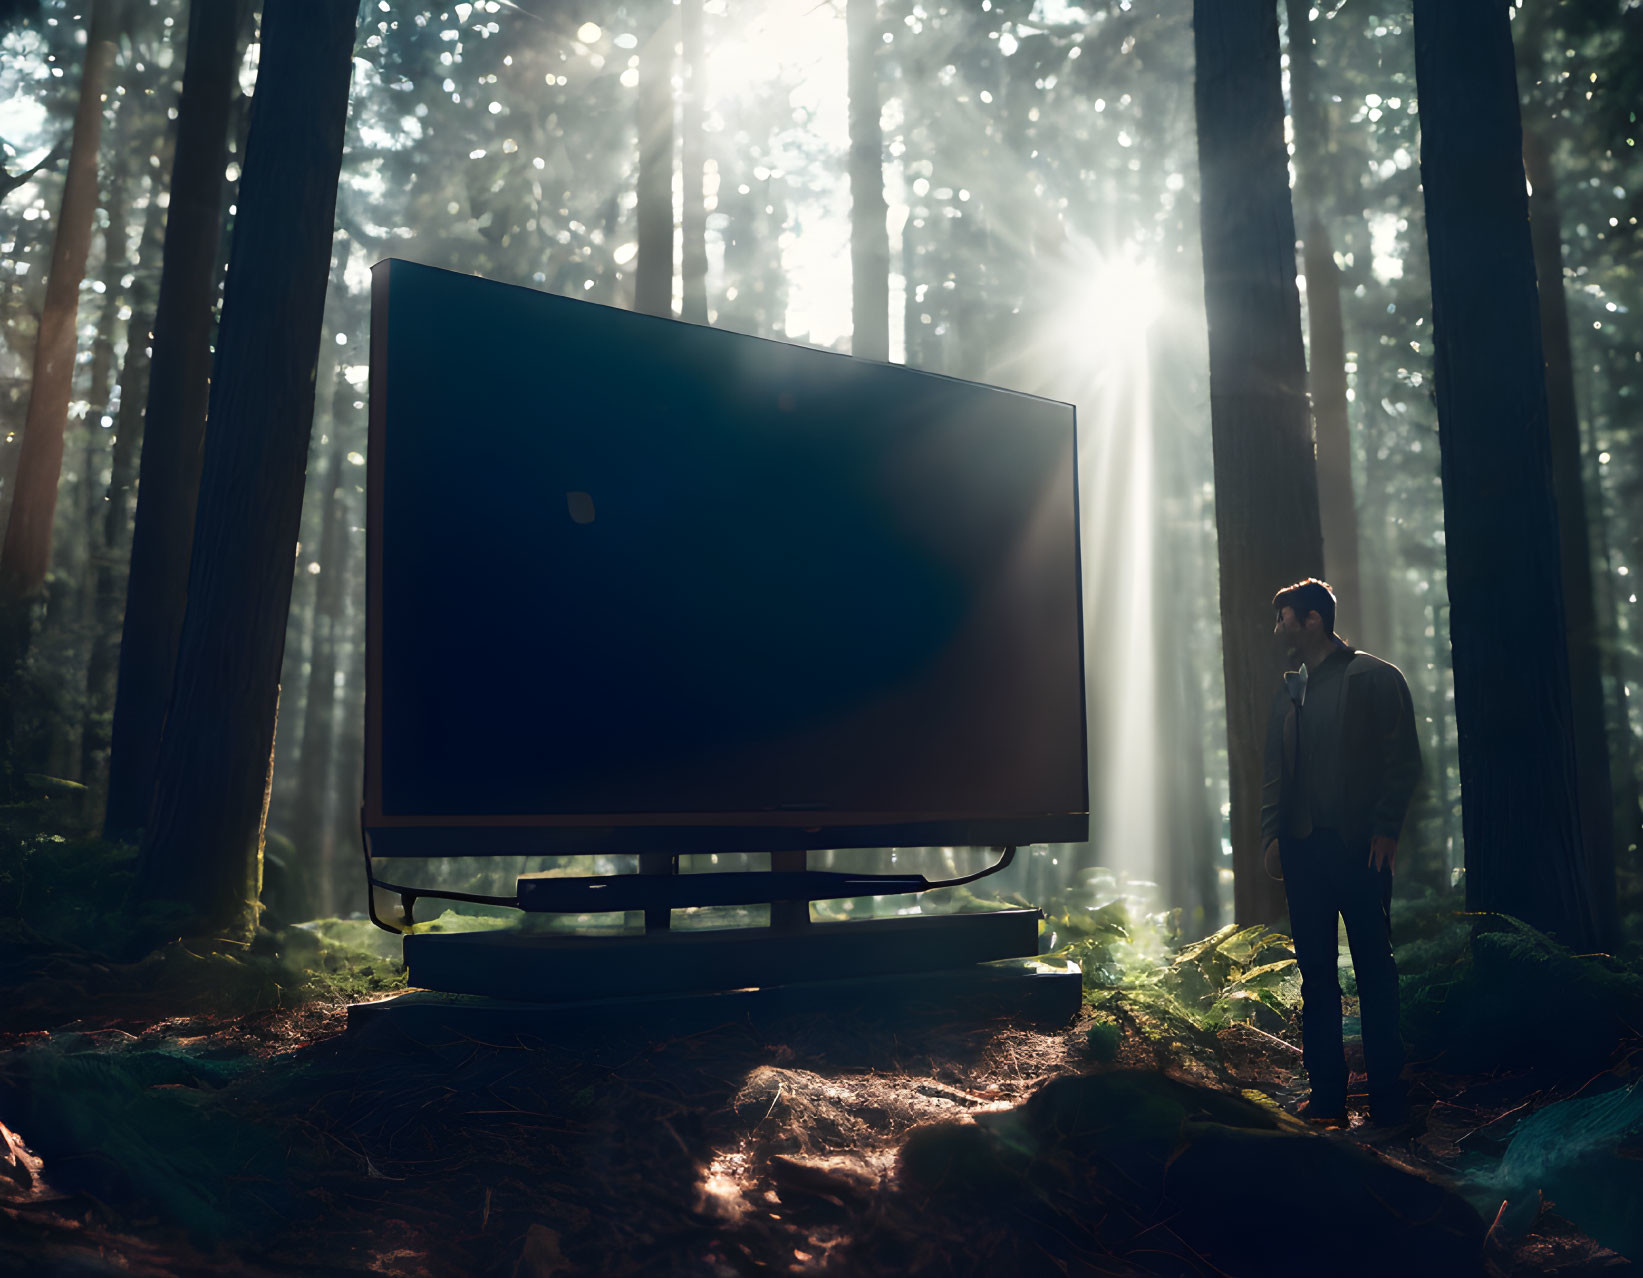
541,968
1029,992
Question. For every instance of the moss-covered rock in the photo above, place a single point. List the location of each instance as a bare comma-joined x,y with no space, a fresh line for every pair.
1103,1039
1135,1165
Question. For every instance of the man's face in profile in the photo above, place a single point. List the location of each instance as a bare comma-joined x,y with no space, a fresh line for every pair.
1289,630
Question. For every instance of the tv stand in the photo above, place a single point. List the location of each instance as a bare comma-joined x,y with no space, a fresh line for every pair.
788,887
529,967
789,897
535,967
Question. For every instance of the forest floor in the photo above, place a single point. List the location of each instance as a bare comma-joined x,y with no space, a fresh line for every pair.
214,1113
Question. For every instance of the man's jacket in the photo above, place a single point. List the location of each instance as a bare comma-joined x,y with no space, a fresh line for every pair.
1379,751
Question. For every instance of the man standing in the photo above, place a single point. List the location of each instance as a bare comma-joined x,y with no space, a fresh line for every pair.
1342,760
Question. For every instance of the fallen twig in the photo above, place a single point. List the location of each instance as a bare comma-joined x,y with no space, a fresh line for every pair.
1257,1030
1501,1211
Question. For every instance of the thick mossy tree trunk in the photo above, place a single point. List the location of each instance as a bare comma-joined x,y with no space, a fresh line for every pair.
693,218
202,842
1337,505
174,424
1266,485
26,555
1513,711
653,268
869,235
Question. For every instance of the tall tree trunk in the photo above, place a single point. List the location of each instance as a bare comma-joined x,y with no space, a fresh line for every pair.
296,665
316,765
912,353
1337,505
1266,487
26,554
869,235
1568,483
693,257
1188,843
202,843
114,533
1437,769
71,734
1191,839
296,685
653,268
174,430
342,874
1628,803
1519,792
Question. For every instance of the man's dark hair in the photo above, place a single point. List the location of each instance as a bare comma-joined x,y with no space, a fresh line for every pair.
1307,596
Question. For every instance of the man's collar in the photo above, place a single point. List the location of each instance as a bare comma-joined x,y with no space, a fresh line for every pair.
1340,650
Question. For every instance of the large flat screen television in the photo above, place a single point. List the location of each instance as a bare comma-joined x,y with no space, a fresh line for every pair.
637,585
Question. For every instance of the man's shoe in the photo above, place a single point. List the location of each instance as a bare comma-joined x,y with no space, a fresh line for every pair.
1322,1115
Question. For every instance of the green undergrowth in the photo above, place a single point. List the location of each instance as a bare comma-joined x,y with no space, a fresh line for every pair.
1491,991
69,939
1480,993
70,889
1176,996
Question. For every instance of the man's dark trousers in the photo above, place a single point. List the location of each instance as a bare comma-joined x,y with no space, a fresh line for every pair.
1324,878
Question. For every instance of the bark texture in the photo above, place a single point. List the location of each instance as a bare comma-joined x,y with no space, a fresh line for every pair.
202,843
179,379
1266,488
1513,710
869,236
1326,333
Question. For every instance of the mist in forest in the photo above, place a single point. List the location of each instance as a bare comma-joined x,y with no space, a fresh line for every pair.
1037,172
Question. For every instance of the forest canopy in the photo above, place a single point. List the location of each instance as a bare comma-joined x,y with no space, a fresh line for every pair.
1037,172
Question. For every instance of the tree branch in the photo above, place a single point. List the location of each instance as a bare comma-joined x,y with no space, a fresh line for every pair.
10,182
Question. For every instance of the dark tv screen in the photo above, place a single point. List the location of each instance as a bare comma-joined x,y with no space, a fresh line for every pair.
637,585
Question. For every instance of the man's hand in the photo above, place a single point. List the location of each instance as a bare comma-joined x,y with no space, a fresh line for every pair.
1382,852
1274,864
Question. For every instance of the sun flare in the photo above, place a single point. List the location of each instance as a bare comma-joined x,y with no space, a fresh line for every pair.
1117,298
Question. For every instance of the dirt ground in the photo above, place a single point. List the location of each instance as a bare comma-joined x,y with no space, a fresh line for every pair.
280,1142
